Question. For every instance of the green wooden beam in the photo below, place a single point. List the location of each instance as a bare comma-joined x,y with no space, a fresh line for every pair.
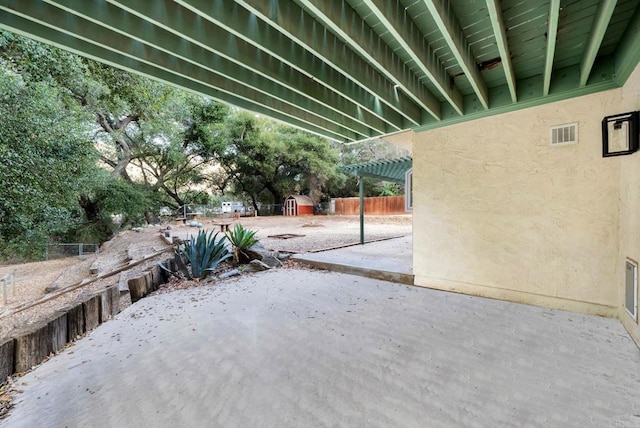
204,84
563,87
232,36
349,26
627,56
378,177
223,50
300,26
107,17
393,170
246,26
598,30
552,31
454,36
495,12
391,14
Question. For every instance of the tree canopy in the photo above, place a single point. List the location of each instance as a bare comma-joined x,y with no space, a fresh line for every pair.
46,157
82,142
267,161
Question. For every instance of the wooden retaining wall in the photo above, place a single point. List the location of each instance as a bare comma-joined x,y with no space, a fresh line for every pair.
34,343
376,205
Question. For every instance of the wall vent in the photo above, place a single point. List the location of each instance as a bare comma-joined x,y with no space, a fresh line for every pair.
564,134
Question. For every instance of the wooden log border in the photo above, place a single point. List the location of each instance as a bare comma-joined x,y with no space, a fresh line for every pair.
34,343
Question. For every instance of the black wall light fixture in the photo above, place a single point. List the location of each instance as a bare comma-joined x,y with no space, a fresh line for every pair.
620,134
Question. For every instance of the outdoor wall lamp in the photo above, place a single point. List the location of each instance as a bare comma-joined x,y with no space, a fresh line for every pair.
620,134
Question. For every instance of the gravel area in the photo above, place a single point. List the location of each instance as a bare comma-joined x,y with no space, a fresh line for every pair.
324,232
32,279
312,233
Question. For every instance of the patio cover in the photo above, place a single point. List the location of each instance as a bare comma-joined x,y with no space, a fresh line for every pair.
393,170
353,70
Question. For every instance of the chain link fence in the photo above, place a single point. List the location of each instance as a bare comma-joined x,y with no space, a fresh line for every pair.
193,211
8,280
60,251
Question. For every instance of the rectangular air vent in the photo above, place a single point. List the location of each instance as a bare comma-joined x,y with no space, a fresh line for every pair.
564,134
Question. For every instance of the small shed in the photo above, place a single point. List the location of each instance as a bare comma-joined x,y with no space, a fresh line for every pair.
298,205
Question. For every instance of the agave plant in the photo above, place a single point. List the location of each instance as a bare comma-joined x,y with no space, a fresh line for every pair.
241,239
199,256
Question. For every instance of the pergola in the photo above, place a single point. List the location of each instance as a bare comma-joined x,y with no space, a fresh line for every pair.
394,170
352,70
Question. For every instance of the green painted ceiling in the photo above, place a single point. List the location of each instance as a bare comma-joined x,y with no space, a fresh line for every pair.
353,69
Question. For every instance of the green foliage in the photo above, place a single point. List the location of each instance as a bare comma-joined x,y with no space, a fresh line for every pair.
46,158
241,239
199,256
266,161
117,197
81,141
346,185
56,109
391,189
108,204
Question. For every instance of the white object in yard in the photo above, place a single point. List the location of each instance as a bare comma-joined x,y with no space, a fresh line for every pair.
232,207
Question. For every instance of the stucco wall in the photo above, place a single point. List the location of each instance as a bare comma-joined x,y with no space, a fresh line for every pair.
629,206
499,212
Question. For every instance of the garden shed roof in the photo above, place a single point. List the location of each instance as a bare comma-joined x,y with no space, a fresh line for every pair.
301,200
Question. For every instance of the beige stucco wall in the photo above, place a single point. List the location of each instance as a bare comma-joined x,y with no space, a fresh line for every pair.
499,212
629,207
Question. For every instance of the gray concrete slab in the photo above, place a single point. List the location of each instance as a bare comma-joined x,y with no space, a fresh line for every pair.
298,348
389,259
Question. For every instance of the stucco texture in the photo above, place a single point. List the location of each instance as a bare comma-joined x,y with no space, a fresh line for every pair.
500,212
629,208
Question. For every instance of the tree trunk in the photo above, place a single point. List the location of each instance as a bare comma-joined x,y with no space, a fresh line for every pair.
150,217
173,195
278,198
90,208
93,214
254,202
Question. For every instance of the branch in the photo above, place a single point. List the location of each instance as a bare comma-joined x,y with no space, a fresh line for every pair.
133,117
104,123
108,161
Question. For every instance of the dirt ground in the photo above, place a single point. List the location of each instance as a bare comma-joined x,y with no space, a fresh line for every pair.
282,234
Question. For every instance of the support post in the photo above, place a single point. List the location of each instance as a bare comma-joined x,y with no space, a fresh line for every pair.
361,180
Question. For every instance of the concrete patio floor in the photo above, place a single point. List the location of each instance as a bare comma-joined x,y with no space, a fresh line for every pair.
389,259
300,348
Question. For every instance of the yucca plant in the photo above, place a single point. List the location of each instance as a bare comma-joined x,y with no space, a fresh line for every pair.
241,239
197,257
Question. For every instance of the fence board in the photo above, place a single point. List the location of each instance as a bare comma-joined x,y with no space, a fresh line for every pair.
375,205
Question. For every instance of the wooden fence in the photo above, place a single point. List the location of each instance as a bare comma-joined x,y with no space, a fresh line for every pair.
376,205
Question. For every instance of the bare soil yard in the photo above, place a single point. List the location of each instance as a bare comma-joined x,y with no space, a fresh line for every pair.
282,234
